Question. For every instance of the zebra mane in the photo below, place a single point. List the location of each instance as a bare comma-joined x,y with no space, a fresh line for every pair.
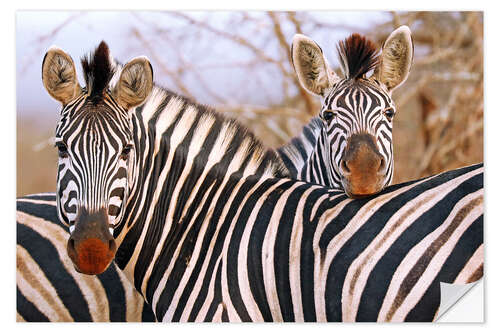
103,71
233,137
357,55
98,70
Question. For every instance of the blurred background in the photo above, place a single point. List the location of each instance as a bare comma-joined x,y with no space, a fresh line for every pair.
239,63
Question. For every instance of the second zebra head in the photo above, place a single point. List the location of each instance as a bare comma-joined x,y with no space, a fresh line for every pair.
357,109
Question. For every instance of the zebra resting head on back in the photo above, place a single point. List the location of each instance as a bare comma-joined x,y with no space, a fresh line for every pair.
349,146
105,158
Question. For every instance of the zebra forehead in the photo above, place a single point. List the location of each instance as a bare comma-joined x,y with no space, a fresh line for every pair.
352,92
96,126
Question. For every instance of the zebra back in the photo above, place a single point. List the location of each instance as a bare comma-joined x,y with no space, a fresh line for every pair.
281,250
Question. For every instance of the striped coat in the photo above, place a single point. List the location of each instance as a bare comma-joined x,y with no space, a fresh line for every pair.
387,254
208,234
49,288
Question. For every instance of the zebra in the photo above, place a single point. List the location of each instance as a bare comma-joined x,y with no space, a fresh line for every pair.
203,223
48,287
349,145
33,308
35,211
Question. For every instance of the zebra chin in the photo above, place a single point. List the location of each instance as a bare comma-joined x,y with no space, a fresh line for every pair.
360,189
91,246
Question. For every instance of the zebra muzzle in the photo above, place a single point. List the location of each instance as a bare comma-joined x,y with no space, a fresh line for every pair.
91,246
92,256
362,167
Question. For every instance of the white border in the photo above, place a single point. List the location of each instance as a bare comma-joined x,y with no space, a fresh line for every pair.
492,121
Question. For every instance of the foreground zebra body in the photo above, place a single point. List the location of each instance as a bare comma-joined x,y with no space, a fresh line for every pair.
349,145
205,232
409,209
48,287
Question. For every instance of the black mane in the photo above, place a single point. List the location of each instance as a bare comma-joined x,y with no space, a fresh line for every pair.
358,55
97,70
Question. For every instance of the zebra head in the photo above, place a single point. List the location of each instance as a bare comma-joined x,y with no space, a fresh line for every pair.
95,143
357,110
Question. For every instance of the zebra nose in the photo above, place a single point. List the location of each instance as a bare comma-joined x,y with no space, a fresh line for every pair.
378,162
345,168
361,156
381,168
91,246
362,166
91,256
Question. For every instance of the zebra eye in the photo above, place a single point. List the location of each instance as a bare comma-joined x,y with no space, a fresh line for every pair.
327,115
126,152
62,150
389,113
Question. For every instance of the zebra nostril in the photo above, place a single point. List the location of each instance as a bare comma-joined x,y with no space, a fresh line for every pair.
381,168
71,249
112,245
345,169
71,244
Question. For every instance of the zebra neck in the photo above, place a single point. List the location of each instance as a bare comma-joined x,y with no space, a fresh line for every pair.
296,152
183,151
307,155
318,167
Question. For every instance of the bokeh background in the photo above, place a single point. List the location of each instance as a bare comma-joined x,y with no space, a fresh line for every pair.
239,63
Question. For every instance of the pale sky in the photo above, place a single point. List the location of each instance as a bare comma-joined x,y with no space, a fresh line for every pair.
36,31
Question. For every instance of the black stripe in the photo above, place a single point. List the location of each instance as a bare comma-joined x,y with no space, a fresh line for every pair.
217,295
47,257
299,146
40,211
282,252
288,163
309,224
309,135
147,313
233,250
224,316
381,275
50,197
115,293
468,243
255,250
28,310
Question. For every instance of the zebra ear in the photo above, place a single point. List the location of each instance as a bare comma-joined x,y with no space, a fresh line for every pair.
312,69
59,75
396,58
135,83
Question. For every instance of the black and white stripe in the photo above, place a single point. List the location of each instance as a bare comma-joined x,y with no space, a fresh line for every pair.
49,288
355,104
268,249
93,159
383,257
316,154
209,233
